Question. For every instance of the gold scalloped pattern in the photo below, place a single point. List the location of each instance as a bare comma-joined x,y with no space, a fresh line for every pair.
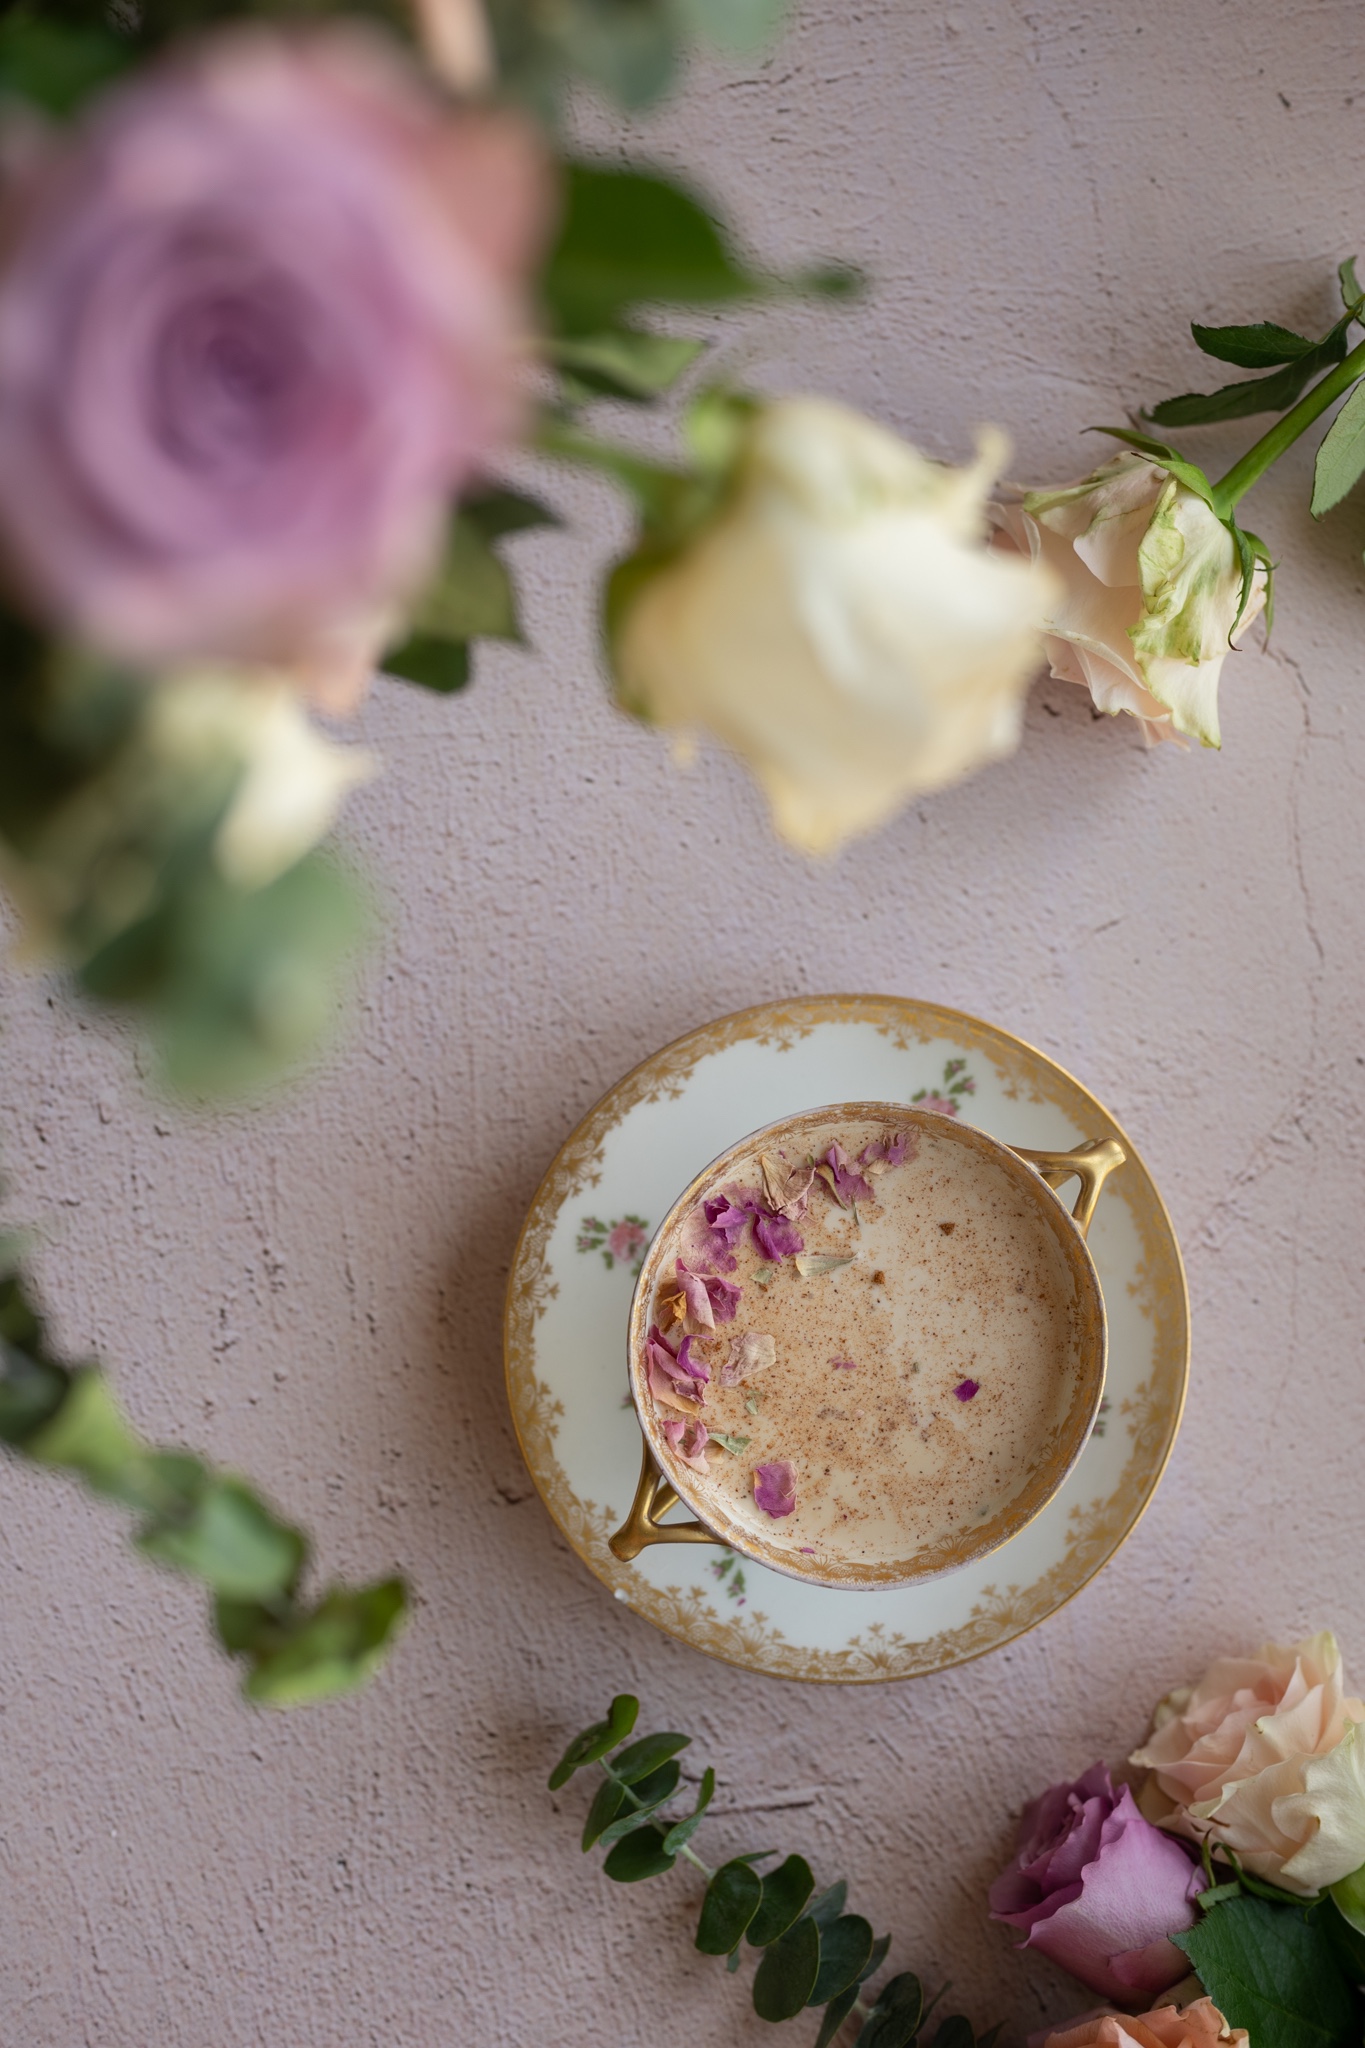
1151,1415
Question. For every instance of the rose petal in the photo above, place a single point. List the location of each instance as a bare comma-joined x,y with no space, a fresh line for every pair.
688,1440
775,1488
753,1352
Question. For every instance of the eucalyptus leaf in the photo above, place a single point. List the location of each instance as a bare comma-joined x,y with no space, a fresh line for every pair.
649,1793
836,2012
1341,455
1350,286
786,1976
954,2031
881,1948
895,2018
608,1800
732,1898
436,663
683,1830
1273,1970
594,1742
830,1904
639,1855
785,1892
646,1755
845,1946
1258,347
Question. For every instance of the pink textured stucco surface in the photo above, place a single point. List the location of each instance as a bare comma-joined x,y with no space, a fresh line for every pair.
1045,193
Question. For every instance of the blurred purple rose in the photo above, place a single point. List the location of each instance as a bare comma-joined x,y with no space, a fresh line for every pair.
260,316
1099,1890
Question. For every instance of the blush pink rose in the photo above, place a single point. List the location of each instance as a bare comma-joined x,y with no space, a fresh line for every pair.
1197,2025
1266,1756
260,318
1100,1890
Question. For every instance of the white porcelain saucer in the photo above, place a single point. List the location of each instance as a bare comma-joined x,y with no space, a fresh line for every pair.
569,1300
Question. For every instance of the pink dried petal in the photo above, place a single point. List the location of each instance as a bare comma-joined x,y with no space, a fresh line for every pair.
775,1236
710,1300
695,1368
753,1352
847,1185
716,1226
775,1488
892,1149
966,1389
688,1440
678,1381
844,1364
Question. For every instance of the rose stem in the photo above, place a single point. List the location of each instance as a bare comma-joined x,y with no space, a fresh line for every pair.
1286,431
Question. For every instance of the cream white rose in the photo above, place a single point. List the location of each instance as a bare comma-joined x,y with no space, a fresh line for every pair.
840,623
1266,1755
293,779
1148,592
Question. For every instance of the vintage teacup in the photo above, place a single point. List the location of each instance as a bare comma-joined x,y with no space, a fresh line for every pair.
867,1345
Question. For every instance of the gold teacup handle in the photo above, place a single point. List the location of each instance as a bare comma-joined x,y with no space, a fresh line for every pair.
653,1498
1091,1163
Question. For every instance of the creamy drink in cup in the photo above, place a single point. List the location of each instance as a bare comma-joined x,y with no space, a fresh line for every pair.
867,1345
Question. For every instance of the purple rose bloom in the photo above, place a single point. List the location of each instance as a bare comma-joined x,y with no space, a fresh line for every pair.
1100,1890
259,321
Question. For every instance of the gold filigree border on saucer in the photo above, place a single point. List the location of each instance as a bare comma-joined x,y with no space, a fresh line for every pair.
1151,1415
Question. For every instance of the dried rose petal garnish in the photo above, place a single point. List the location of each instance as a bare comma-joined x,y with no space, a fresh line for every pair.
676,1380
775,1488
775,1236
753,1352
710,1300
788,1192
965,1389
893,1149
720,1225
844,1364
688,1440
843,1181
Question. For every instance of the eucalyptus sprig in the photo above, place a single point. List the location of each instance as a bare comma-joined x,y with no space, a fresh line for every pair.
208,1524
813,1953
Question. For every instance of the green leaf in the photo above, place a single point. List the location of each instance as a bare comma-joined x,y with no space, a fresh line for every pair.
881,1948
650,1792
1350,287
639,1855
88,1434
607,1803
785,1978
627,49
594,1742
845,1946
830,1904
1346,1936
425,658
335,1649
895,2018
1258,347
683,1830
621,362
954,2032
1348,1896
735,1445
732,1898
245,1627
836,2012
1275,393
785,1892
56,65
1272,1970
1341,456
646,1755
1189,473
232,1542
740,25
632,238
32,1389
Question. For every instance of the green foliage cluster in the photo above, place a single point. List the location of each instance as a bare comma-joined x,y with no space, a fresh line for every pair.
207,1524
112,860
1288,1969
812,1954
1289,364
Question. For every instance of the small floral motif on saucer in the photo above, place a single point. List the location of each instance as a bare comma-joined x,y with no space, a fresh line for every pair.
569,1302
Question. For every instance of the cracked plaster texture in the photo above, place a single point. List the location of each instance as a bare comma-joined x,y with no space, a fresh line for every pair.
1044,195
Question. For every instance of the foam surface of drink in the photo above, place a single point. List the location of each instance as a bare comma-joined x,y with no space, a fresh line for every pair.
913,1390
